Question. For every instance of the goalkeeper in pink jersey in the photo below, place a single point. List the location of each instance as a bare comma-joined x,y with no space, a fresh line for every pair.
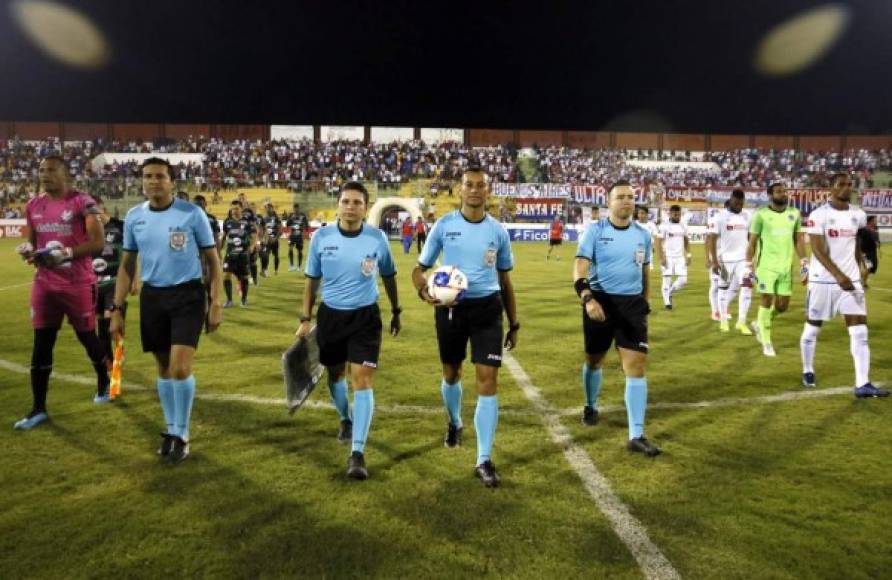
64,234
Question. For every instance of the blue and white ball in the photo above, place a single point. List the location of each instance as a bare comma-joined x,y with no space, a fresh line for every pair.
447,284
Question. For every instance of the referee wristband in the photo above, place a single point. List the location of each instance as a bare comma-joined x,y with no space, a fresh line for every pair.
580,285
305,319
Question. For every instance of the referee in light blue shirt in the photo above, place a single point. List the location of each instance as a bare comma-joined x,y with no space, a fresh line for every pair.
478,245
612,280
345,258
171,237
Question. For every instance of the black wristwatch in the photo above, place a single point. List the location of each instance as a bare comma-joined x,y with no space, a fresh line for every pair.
305,319
396,311
514,327
117,307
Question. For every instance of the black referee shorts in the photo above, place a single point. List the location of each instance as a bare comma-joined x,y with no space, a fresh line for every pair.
476,319
626,323
349,335
297,242
171,315
236,264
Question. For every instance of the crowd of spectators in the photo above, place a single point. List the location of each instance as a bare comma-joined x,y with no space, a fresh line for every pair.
306,165
740,167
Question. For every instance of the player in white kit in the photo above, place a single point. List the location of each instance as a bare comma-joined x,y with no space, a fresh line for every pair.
643,220
726,242
675,254
834,283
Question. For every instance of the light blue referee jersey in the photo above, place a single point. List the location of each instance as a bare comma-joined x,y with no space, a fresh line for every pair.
478,249
617,255
168,241
347,263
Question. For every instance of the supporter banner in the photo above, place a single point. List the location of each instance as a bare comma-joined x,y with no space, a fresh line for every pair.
534,190
597,194
876,199
538,208
13,229
805,199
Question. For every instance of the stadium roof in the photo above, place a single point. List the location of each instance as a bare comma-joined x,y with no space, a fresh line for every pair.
743,67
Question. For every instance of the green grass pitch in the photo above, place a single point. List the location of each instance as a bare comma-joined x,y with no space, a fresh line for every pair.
754,489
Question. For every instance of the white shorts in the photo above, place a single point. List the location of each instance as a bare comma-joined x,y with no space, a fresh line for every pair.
825,301
675,267
732,272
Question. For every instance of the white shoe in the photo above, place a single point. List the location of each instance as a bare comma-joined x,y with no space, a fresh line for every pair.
768,350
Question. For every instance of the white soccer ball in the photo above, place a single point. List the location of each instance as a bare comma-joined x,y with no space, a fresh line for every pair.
447,284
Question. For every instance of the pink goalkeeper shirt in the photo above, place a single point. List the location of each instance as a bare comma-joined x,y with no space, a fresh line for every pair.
62,220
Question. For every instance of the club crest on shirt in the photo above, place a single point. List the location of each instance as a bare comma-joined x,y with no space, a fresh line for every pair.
369,263
67,215
178,241
490,258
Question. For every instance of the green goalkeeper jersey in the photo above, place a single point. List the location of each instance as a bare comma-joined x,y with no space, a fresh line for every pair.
776,242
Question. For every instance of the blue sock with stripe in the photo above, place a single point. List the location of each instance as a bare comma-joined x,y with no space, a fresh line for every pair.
165,394
183,395
591,384
363,408
636,405
486,419
452,400
338,392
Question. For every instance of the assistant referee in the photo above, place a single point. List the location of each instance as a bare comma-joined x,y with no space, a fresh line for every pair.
171,237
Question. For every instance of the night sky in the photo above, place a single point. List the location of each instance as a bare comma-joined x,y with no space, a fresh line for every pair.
646,66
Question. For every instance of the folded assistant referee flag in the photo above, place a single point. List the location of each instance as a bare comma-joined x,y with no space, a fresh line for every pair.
301,370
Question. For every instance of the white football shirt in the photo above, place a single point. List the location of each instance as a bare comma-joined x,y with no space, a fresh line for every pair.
840,231
732,230
672,236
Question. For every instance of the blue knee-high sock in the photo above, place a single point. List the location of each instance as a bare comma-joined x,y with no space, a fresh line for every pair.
486,419
339,398
452,400
363,408
165,393
636,404
591,384
183,395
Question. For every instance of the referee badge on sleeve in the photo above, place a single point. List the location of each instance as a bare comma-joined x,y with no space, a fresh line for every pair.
178,241
639,255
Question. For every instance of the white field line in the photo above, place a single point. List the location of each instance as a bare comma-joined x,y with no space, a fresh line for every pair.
436,410
632,533
16,286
